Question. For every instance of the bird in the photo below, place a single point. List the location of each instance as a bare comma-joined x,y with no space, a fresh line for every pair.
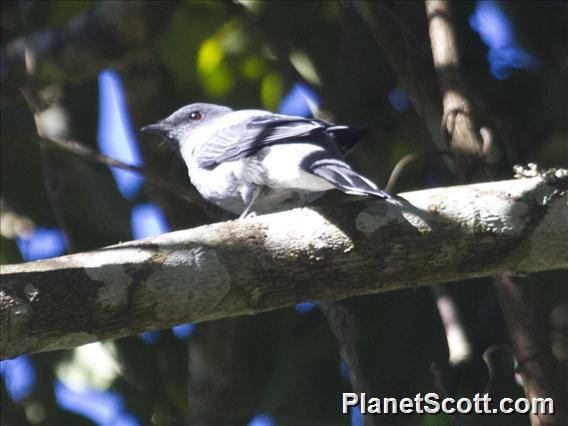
251,161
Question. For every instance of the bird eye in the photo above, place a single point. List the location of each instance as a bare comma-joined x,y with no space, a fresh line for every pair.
195,116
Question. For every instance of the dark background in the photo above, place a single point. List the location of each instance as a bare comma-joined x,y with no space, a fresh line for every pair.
283,364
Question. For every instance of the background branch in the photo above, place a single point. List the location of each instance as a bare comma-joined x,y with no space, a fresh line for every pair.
84,46
344,326
469,143
531,347
457,122
411,63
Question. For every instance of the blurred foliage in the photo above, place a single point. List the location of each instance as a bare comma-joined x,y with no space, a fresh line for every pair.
250,54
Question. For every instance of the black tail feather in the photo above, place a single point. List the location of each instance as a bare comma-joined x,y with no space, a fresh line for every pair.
340,175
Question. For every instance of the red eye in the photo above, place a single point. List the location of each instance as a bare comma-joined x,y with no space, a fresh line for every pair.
195,116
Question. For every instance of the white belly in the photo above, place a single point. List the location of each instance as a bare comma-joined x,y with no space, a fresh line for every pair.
283,168
218,181
277,169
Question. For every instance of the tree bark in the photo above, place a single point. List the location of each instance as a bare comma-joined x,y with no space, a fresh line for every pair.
462,132
273,261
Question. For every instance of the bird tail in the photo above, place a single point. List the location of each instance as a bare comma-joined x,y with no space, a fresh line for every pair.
340,175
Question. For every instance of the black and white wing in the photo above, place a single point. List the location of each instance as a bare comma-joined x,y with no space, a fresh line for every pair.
248,136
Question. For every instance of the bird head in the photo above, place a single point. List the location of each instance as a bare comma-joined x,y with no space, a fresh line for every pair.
179,127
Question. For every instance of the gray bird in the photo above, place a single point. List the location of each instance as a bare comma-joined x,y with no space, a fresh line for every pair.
254,161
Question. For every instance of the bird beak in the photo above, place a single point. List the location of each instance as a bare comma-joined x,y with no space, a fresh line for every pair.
157,129
162,130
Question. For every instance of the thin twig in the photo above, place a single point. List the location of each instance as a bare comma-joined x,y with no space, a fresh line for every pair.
405,161
87,153
37,105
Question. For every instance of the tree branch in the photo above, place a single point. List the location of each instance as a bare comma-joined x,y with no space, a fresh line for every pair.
457,123
411,64
273,261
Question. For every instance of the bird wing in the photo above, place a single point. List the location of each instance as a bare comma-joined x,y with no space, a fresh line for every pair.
248,136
